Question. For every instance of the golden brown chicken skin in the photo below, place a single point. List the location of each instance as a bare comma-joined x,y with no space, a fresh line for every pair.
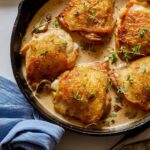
133,33
133,82
48,54
82,93
92,18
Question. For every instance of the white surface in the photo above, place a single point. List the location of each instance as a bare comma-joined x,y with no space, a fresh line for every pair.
70,140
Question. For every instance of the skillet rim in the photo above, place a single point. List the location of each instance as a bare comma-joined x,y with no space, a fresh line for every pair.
16,66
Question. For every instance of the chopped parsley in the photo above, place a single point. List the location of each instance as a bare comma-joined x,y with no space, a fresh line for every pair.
75,96
120,90
122,49
44,53
76,13
105,59
56,24
143,31
113,57
85,4
130,79
127,56
64,44
92,11
135,49
143,70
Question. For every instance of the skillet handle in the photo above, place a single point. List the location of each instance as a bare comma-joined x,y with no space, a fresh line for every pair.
130,134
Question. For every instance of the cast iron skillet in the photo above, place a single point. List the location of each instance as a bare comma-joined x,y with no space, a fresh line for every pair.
26,11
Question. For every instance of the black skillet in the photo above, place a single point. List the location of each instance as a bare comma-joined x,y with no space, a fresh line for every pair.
26,11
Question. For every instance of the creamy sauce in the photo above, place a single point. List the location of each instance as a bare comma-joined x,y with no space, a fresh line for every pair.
121,113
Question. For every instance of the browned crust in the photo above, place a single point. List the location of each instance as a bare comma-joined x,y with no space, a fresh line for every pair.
118,41
116,84
93,36
68,7
85,118
35,66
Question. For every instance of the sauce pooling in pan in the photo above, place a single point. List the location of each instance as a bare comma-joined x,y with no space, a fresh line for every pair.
121,112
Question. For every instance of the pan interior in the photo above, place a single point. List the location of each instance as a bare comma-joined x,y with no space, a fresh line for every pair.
122,119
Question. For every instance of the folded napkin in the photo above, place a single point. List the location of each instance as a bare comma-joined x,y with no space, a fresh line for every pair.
21,127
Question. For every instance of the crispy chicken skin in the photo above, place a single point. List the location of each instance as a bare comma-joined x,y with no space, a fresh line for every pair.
82,93
92,18
48,55
133,30
134,80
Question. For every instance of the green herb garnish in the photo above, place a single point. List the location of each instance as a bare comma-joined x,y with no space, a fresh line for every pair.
64,44
75,96
105,59
127,56
44,53
92,11
120,90
143,70
130,79
85,5
143,31
77,13
56,24
122,49
113,57
135,49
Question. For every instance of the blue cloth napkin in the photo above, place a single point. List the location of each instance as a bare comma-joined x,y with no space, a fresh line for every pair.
21,127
